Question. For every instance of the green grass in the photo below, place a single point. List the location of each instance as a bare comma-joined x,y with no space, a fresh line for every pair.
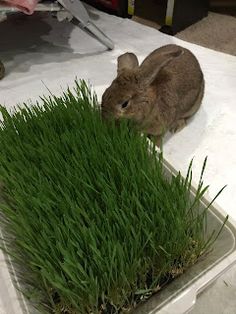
89,218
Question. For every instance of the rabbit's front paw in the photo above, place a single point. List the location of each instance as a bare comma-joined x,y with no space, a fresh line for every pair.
178,125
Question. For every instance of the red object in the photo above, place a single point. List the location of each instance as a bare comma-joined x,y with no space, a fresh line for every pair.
115,4
117,7
111,4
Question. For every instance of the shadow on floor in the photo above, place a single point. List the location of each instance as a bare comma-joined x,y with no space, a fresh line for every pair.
37,39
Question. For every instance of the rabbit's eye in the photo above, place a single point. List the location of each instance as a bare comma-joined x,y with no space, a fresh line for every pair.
125,104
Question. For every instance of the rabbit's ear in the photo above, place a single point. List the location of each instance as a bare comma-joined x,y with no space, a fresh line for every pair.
150,69
127,61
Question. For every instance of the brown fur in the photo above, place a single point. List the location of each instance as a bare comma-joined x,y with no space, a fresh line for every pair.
160,94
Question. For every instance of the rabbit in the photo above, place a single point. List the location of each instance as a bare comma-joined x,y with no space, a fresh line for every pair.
159,95
2,70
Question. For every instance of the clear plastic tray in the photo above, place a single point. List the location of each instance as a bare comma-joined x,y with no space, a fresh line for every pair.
177,297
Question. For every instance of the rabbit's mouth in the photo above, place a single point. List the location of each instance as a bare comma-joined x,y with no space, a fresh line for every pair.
104,112
108,114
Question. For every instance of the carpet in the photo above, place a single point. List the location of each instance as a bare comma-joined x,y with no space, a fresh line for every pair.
216,31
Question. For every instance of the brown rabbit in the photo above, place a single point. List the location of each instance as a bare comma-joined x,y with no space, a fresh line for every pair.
160,94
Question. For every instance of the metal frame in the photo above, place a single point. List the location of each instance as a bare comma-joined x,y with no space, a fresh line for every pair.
77,9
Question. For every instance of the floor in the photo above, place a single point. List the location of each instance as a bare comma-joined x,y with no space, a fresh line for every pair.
216,31
40,52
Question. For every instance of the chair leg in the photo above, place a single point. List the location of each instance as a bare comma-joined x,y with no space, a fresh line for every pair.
2,70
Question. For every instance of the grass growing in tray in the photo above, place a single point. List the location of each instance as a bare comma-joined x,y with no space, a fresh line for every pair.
89,217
